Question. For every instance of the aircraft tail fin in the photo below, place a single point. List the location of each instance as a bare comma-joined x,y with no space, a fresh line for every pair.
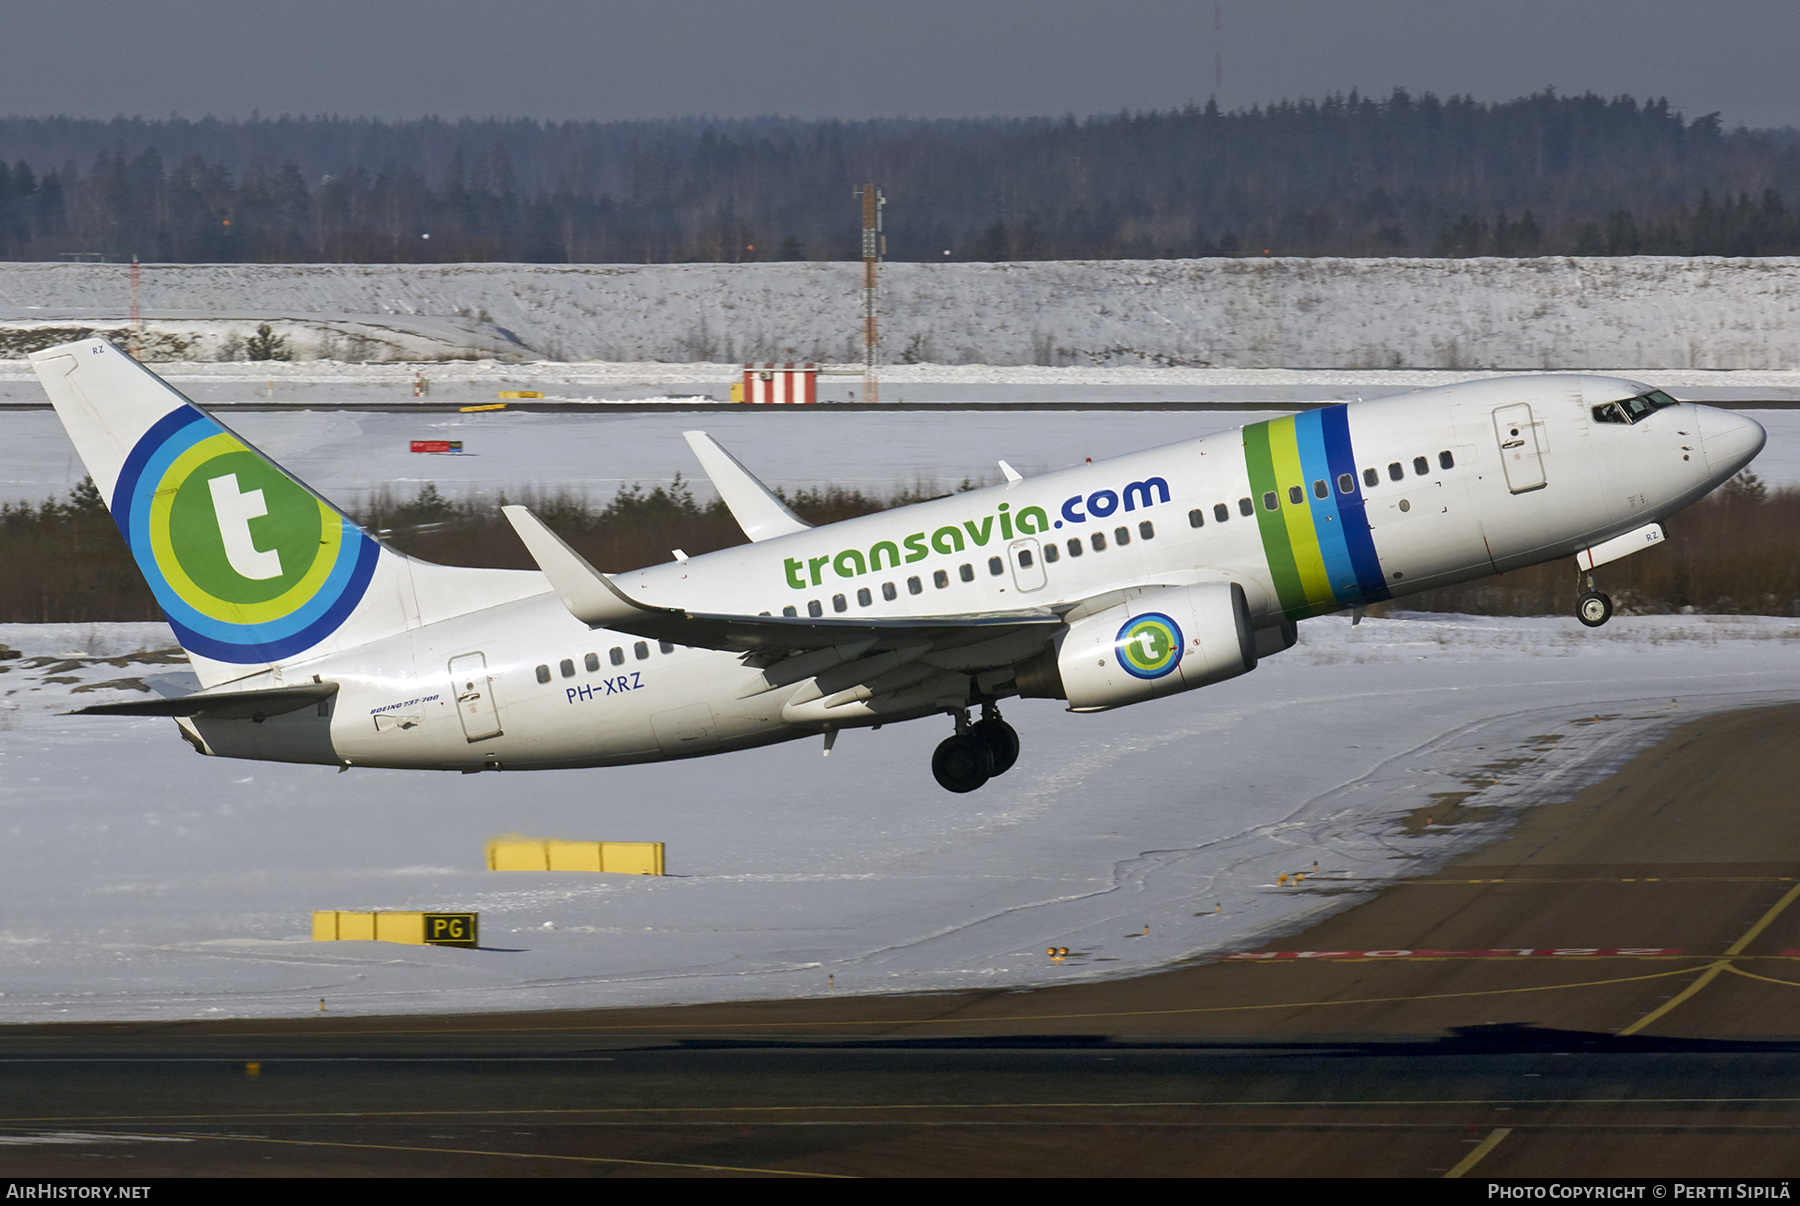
250,565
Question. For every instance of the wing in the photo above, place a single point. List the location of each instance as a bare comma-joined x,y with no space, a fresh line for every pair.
595,600
752,504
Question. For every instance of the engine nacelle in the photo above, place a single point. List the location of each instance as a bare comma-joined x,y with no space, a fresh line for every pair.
1164,641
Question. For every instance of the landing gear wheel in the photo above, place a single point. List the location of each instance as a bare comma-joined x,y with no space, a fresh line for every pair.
1001,738
962,763
1593,609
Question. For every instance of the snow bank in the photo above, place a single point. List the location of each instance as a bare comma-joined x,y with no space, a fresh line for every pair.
1641,311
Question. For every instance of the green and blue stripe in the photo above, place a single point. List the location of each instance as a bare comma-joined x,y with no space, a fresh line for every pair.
1320,553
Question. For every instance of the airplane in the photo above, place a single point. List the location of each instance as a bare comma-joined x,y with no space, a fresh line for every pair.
1107,584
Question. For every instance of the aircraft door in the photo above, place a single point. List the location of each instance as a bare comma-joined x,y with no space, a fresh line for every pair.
1520,450
1027,564
474,692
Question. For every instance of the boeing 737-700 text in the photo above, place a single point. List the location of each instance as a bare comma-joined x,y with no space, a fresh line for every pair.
1107,584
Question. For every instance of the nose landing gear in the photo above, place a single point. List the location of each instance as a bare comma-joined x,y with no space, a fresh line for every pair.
976,752
1593,608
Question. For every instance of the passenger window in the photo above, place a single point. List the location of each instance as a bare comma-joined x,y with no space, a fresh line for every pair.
1371,478
790,612
889,591
642,649
1270,501
1024,558
863,597
1321,489
814,608
1421,466
966,572
1121,536
1050,554
567,666
940,578
914,586
839,603
996,566
1098,540
1296,496
1146,530
1445,460
1221,512
592,662
1396,472
616,655
1246,508
1346,484
1074,546
543,674
666,646
1196,518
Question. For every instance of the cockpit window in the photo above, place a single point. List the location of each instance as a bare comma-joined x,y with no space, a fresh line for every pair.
1633,410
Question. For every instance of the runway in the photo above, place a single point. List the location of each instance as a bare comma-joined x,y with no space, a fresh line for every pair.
1609,990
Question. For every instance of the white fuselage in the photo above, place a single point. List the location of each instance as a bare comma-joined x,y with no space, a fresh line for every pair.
1465,504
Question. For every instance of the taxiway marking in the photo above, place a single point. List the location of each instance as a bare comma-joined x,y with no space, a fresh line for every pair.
1718,965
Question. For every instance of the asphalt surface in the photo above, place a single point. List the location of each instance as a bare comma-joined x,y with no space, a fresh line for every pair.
1613,989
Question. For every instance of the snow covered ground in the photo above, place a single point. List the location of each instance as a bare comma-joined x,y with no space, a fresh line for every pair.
140,881
1559,312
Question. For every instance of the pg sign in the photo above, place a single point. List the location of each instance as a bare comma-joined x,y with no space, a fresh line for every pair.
451,929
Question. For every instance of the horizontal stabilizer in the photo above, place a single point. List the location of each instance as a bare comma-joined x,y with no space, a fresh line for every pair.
222,705
755,507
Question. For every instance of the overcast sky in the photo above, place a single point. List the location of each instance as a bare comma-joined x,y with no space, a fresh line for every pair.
612,59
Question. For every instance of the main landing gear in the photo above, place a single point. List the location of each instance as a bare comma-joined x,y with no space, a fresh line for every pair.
976,752
1593,608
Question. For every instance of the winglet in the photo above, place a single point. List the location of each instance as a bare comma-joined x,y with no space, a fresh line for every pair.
752,504
589,594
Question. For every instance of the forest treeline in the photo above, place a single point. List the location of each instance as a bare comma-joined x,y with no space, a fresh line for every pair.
1348,175
1731,553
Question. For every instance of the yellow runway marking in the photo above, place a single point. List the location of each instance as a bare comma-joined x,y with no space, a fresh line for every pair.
1765,979
1481,1149
1713,969
458,1151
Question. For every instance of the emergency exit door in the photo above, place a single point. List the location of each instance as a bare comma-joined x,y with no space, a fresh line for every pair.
474,692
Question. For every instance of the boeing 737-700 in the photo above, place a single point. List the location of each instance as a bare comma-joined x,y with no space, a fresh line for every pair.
1110,583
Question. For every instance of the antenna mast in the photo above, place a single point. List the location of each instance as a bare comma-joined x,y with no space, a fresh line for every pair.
874,245
137,316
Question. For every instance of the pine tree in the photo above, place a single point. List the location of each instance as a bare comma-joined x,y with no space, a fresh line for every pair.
267,345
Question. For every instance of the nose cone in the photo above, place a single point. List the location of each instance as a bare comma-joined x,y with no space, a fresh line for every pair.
1730,441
